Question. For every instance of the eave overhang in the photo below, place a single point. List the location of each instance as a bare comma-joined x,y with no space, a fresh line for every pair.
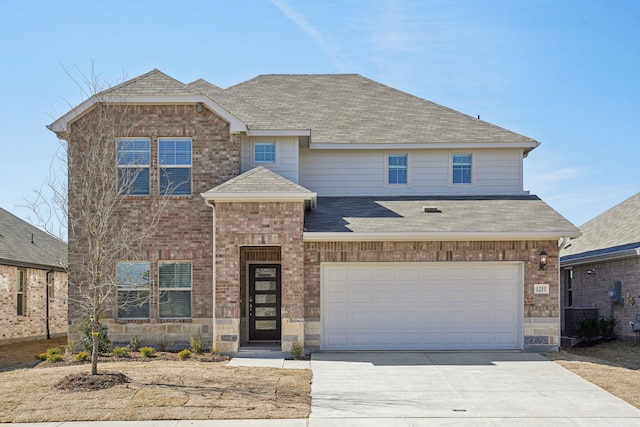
433,236
221,197
579,259
528,146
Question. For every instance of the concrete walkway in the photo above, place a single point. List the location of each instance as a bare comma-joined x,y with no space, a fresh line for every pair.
419,389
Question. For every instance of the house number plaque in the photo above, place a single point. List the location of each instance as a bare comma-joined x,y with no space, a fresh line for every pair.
541,289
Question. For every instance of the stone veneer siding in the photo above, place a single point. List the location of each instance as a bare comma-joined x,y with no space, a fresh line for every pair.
541,312
185,228
242,224
33,324
593,290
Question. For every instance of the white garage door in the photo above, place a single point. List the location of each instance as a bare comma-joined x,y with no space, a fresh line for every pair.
421,306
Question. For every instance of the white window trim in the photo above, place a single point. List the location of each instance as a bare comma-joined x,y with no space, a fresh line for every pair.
161,289
276,146
147,166
148,289
161,166
386,169
473,169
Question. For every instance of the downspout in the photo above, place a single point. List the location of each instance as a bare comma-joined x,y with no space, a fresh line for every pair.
563,242
46,301
213,272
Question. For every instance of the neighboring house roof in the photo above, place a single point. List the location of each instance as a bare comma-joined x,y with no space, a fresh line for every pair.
352,109
334,109
24,245
446,218
259,184
612,234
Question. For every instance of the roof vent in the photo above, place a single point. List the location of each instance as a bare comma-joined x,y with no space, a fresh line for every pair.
431,209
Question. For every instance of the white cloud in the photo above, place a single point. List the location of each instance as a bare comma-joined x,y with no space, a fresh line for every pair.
331,49
563,174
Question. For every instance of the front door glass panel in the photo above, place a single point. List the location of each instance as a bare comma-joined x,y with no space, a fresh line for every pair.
264,302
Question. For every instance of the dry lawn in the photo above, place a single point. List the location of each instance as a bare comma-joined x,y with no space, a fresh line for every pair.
614,366
159,389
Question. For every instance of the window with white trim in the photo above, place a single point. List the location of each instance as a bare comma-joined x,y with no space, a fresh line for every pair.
397,169
461,168
21,293
133,158
174,282
174,160
133,289
264,152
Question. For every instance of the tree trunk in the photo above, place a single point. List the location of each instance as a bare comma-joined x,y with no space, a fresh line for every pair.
96,348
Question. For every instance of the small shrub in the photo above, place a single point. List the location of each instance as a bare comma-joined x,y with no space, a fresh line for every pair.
83,356
71,346
147,351
162,345
121,352
215,349
196,344
41,357
298,350
607,326
588,328
104,343
53,355
134,344
184,354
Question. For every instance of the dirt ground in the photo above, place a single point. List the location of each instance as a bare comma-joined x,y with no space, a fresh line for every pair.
159,388
614,366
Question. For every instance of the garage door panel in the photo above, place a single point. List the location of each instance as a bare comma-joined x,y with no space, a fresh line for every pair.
424,306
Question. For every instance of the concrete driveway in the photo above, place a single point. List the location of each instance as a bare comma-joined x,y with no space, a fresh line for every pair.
456,388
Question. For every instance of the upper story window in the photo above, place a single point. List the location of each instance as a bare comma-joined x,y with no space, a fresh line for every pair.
174,160
461,168
133,157
133,289
397,169
174,278
264,152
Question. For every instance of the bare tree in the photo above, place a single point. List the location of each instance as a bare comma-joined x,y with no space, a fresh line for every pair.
106,176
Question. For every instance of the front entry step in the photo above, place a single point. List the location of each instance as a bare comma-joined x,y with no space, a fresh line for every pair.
272,350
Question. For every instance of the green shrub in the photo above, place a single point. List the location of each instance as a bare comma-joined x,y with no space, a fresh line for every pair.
215,349
121,352
147,351
162,345
297,349
607,326
104,343
83,356
184,354
134,344
71,346
588,328
41,357
196,344
53,355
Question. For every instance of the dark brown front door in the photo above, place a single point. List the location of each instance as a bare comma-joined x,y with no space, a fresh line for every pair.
264,302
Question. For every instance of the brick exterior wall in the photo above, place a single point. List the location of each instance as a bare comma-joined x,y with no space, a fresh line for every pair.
541,311
33,324
593,290
184,231
258,224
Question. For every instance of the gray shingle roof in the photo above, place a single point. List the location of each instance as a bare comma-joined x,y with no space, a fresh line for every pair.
349,108
526,214
615,230
259,180
18,248
155,82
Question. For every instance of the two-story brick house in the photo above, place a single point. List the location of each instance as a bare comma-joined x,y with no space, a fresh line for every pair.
336,212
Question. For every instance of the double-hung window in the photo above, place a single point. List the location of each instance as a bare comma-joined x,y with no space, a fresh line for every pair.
133,156
174,159
133,289
461,168
174,281
397,168
21,293
264,152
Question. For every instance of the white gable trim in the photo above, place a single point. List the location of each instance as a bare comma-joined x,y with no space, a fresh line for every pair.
432,236
396,146
259,197
270,132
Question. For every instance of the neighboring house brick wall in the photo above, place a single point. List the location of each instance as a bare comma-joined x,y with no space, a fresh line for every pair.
33,324
258,224
593,290
541,312
185,227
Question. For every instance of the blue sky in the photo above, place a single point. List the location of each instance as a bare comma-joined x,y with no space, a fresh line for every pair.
562,72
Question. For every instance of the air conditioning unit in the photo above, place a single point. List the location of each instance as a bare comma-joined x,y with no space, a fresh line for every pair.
573,316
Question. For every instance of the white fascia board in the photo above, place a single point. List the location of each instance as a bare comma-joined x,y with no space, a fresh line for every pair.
600,258
268,132
428,236
60,126
391,146
258,197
